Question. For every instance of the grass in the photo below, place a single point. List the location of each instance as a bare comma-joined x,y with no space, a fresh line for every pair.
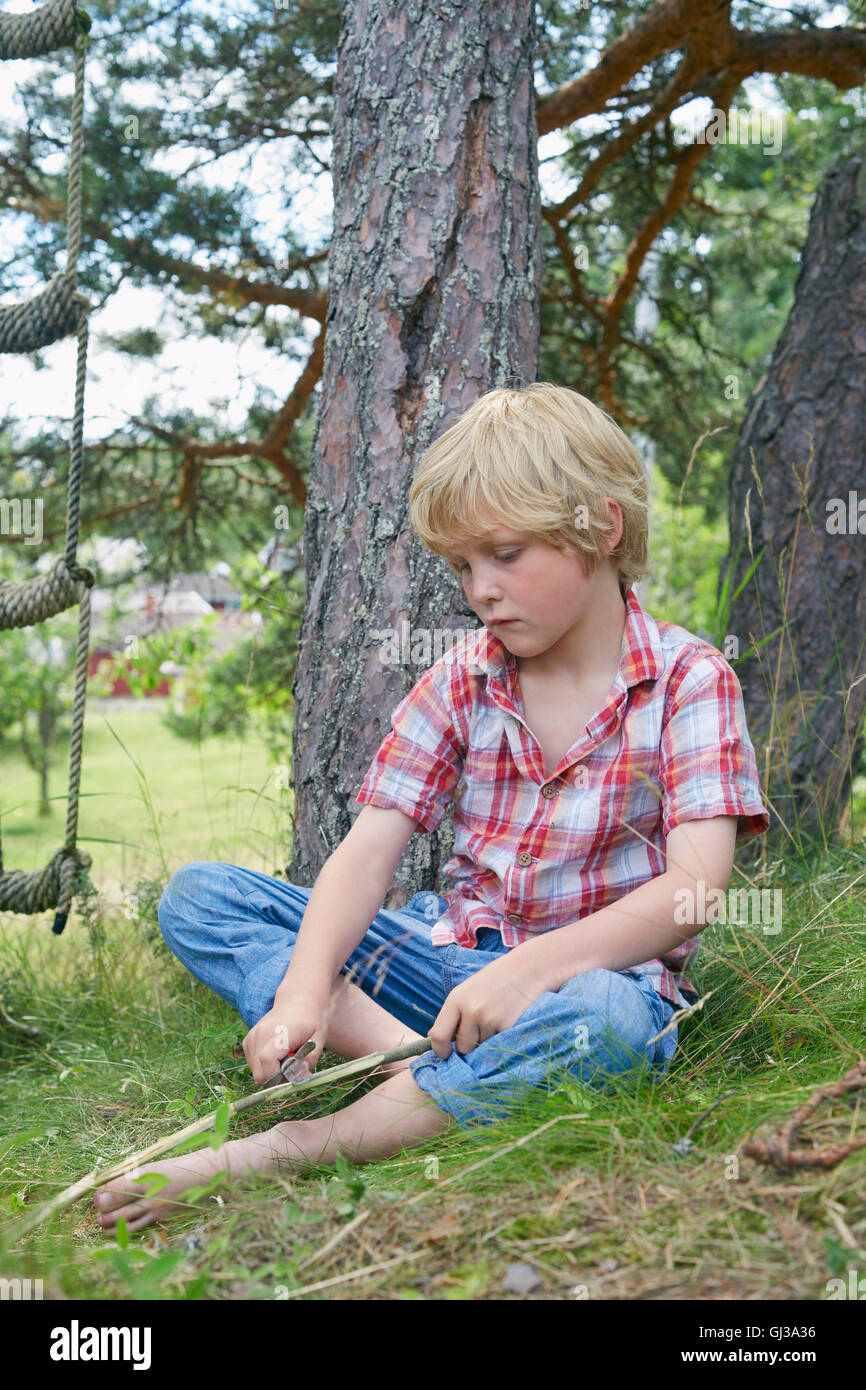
208,800
582,1191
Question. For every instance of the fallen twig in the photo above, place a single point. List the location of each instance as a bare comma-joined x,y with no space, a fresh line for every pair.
356,1273
335,1238
780,1153
680,1014
24,1030
685,1145
500,1153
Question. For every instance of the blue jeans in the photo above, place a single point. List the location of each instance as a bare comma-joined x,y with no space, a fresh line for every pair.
235,929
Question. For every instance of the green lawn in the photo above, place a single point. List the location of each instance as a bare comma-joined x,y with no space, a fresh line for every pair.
215,800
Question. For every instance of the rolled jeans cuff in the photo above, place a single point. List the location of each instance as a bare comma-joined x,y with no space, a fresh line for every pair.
453,1085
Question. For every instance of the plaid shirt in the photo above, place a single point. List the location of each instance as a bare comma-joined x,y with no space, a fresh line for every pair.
531,852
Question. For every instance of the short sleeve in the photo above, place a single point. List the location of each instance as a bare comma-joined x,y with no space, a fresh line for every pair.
707,764
419,763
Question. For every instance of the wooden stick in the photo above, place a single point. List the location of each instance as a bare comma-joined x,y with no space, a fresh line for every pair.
317,1082
24,1030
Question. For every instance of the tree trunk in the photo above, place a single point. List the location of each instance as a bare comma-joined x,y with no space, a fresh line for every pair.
434,275
805,710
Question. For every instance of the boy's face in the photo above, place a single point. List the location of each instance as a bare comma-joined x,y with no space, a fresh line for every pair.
512,575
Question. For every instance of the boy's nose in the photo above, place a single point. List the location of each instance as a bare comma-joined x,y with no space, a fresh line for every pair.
484,589
487,601
488,598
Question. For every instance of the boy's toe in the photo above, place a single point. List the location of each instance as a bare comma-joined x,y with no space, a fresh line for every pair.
109,1199
129,1209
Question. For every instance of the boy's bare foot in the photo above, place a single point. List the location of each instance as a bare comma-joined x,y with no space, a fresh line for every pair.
235,1159
391,1117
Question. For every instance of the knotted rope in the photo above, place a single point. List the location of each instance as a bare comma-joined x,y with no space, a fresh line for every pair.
27,601
30,35
56,312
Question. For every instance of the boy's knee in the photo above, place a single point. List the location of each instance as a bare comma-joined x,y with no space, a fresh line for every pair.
606,1015
184,886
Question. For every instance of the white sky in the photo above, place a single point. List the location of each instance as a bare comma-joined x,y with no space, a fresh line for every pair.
195,374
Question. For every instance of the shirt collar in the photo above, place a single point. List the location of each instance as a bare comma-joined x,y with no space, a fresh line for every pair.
641,656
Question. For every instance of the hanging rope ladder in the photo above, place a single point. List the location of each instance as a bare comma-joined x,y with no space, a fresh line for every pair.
58,311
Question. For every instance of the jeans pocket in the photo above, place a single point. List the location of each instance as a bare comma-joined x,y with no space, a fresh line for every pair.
259,902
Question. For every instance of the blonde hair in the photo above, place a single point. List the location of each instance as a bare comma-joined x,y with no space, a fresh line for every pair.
528,458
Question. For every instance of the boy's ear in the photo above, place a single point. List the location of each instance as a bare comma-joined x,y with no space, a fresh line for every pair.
615,514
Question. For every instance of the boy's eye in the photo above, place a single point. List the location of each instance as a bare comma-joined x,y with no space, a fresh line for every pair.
463,565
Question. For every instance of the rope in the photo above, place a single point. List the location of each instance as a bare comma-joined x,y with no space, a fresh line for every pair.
55,313
52,314
29,36
33,600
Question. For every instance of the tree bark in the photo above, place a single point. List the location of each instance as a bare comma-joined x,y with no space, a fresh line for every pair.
434,287
804,707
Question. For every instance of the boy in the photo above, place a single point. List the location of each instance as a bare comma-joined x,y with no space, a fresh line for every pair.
600,769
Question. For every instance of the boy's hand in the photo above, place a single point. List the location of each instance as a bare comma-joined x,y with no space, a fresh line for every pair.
285,1028
487,1003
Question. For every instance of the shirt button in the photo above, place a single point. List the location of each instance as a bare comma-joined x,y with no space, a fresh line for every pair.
548,790
514,917
524,858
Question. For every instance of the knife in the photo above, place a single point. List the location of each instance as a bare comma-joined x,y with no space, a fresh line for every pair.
289,1066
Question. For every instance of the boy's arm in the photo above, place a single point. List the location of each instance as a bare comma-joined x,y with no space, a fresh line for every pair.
348,892
641,925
